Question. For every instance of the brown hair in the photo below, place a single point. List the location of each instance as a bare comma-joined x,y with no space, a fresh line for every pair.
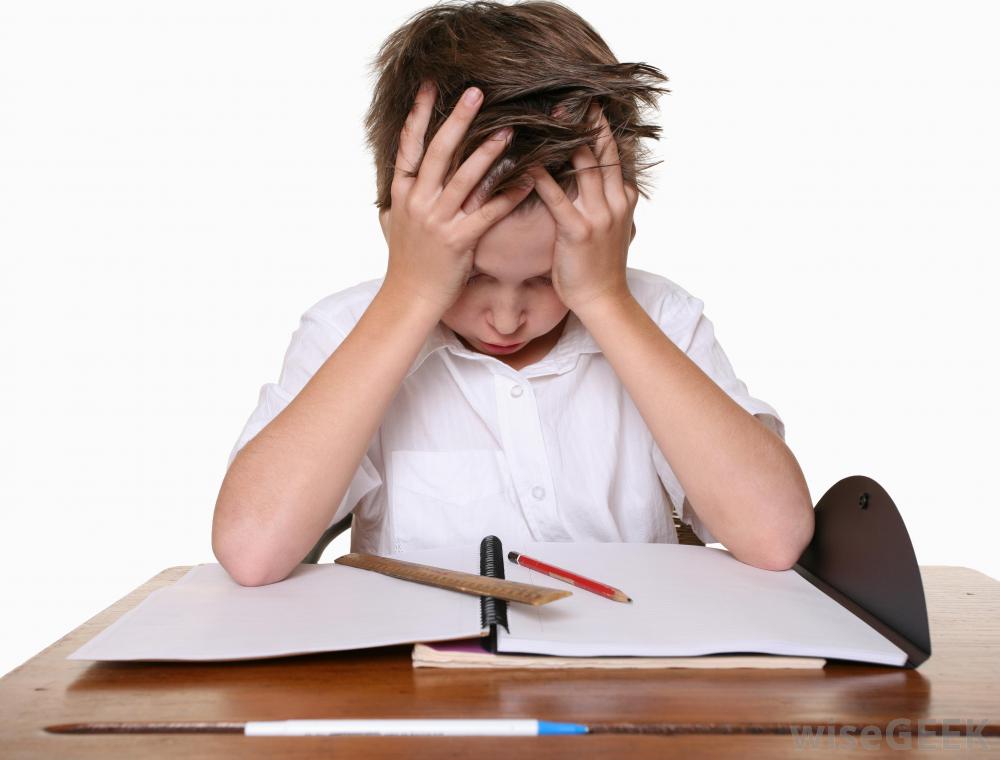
527,58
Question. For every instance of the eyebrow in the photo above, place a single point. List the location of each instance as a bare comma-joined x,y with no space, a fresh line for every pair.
477,270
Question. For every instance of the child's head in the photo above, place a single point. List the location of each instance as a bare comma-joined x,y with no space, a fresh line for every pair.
528,59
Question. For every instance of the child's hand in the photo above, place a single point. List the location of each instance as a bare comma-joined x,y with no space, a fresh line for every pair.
431,238
593,232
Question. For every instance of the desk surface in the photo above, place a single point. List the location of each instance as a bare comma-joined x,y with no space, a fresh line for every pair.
957,684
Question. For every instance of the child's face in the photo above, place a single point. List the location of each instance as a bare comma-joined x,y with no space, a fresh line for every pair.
510,298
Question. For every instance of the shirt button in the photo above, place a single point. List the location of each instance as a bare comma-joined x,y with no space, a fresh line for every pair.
516,391
538,492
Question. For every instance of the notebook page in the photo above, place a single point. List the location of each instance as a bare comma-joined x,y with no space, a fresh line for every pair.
319,608
687,600
469,653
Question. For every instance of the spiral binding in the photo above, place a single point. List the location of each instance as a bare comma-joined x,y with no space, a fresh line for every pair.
492,611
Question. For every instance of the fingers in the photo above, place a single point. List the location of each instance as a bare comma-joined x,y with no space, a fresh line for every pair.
588,178
437,157
472,170
411,138
607,156
476,224
561,208
632,195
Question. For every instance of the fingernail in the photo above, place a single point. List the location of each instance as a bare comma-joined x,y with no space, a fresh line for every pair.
503,134
472,95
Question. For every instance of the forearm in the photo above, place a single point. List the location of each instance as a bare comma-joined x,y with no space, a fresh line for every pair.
281,490
742,479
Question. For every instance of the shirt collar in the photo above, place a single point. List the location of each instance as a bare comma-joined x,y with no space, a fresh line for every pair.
574,342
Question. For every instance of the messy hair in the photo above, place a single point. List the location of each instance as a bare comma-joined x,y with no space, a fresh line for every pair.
527,58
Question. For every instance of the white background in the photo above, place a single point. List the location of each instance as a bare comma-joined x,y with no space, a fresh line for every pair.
180,181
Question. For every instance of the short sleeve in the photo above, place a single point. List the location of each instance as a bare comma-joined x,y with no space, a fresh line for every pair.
701,346
311,345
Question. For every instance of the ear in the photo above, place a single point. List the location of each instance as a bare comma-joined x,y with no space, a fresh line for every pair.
383,220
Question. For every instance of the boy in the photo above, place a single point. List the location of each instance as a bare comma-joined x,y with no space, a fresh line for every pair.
509,374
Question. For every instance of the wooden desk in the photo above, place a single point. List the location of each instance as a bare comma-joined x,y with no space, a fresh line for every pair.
958,683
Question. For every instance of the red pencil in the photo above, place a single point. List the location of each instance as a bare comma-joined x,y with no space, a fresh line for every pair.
587,584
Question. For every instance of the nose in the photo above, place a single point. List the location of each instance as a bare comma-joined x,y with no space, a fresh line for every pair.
506,316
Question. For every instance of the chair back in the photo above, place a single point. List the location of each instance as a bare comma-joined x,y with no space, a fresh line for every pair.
685,535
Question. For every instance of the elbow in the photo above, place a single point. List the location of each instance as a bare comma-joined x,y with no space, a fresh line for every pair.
254,578
245,577
780,547
779,562
240,555
792,541
234,560
247,572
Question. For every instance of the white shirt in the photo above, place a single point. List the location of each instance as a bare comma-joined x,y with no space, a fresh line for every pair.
469,447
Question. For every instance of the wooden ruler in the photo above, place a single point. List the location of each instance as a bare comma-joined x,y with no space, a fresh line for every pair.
467,583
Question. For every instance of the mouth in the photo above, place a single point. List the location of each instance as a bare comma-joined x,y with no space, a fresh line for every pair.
508,349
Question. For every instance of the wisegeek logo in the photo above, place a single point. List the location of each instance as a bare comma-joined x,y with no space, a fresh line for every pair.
946,734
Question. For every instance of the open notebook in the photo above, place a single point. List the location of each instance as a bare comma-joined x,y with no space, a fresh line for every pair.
687,601
469,653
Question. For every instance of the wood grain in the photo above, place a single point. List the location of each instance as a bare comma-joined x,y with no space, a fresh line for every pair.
467,583
957,682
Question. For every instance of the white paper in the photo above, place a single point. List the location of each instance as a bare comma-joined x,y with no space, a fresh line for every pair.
206,615
686,600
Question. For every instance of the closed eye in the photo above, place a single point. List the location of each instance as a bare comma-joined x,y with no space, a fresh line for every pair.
479,277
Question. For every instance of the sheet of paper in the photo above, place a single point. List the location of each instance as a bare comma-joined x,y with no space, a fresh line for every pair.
686,600
206,615
469,653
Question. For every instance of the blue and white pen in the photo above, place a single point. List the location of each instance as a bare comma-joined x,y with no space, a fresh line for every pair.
413,727
339,727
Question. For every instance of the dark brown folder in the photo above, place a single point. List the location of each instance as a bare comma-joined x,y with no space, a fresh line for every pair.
861,557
